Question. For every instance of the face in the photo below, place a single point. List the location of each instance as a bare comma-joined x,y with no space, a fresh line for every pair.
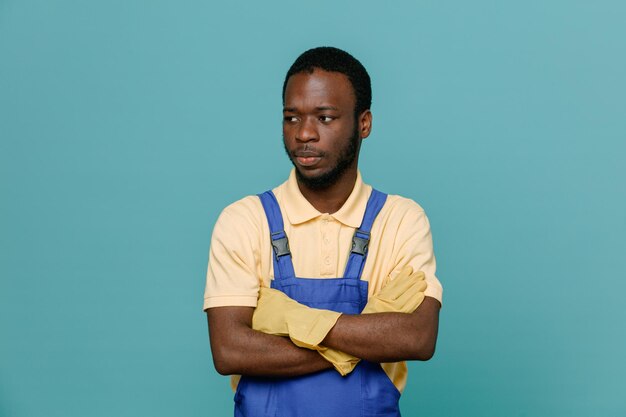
321,135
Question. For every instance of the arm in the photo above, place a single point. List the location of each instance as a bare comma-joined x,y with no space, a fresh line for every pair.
388,337
398,336
391,328
238,349
230,296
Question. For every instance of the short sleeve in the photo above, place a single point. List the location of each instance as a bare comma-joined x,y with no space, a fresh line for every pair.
416,247
234,264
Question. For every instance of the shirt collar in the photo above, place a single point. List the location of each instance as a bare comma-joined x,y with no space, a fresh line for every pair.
299,210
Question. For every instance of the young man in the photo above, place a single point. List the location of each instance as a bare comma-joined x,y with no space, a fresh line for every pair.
318,291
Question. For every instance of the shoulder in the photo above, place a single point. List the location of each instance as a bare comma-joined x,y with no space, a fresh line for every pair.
249,206
404,218
398,206
244,213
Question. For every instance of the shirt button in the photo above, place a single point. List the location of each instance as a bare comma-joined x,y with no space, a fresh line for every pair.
327,260
326,240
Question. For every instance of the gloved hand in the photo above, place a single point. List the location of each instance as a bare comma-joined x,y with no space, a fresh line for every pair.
401,295
270,317
344,363
280,315
269,314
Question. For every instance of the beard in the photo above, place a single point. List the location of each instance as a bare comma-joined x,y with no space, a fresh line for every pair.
346,158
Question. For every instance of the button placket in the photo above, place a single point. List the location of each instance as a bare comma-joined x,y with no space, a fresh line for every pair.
326,268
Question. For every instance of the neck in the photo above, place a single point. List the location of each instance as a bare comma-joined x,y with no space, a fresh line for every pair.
330,199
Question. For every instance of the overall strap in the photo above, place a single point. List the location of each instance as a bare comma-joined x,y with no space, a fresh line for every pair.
361,238
283,266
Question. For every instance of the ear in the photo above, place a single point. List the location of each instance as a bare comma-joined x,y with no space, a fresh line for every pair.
365,123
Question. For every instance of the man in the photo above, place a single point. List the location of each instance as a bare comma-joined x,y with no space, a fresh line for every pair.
342,276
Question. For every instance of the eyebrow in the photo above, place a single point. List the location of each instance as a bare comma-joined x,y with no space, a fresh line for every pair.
319,108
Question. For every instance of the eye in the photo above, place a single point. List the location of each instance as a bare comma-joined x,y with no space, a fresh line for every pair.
290,119
326,119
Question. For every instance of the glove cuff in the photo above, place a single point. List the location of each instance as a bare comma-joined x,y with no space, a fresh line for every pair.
309,331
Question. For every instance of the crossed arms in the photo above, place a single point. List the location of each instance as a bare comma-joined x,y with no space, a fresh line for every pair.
380,337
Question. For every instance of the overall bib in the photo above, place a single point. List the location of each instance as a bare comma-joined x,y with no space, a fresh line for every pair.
365,392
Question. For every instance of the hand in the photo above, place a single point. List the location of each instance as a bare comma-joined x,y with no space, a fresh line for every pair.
344,363
401,295
270,317
269,314
280,315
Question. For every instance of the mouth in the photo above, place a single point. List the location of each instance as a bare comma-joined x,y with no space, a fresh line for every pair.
308,161
308,158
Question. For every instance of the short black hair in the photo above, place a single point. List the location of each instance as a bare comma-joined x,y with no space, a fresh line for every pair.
332,59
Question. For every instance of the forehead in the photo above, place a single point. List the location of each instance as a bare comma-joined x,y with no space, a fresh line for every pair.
320,88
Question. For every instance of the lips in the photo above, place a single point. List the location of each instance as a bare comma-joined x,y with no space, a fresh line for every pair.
308,158
308,161
307,154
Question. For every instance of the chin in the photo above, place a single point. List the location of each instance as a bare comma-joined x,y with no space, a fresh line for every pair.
316,181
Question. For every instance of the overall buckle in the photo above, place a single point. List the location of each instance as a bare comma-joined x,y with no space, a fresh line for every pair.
360,244
280,245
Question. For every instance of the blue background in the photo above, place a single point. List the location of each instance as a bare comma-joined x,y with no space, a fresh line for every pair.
126,126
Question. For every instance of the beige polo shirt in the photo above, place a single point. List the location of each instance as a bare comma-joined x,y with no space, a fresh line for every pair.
241,253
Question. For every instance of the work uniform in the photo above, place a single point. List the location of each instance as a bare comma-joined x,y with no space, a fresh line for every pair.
242,254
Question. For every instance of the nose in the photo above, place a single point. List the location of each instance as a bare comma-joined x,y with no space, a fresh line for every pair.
307,131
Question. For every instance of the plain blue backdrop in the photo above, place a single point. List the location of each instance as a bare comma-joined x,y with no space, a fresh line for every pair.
126,126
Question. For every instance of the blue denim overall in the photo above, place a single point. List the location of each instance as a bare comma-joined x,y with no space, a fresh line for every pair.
365,392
